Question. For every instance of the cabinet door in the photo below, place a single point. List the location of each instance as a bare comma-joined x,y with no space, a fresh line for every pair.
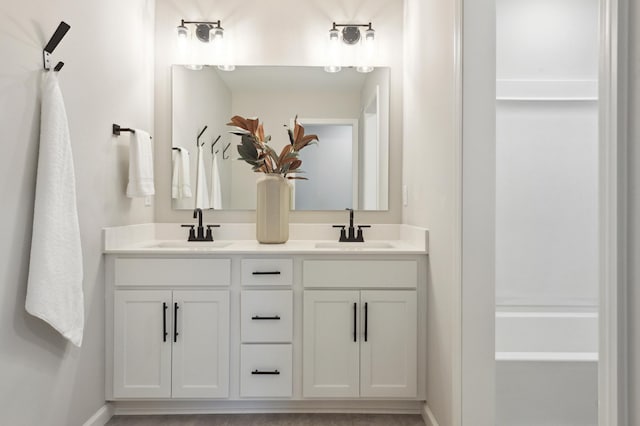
142,353
388,362
330,343
201,346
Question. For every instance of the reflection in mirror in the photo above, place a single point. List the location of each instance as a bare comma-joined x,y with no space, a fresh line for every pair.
349,112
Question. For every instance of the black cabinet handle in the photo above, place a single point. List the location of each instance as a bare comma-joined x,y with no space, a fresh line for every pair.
256,317
264,373
366,320
266,273
175,322
164,322
355,308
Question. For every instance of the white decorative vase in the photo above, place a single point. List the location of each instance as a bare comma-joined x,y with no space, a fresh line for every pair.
272,209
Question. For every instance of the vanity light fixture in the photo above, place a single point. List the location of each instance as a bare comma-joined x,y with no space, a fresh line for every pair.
351,35
206,32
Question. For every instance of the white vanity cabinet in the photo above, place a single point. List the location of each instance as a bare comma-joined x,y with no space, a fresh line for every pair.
360,343
283,330
169,340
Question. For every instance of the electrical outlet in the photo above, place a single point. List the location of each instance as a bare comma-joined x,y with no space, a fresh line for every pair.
147,201
405,195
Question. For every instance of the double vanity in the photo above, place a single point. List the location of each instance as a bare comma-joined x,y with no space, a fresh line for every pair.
230,324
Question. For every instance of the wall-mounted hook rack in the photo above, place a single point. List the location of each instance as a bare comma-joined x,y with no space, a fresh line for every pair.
116,130
198,144
214,143
55,39
224,151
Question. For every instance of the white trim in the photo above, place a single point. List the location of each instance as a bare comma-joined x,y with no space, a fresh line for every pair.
456,293
102,416
547,356
428,417
168,407
608,372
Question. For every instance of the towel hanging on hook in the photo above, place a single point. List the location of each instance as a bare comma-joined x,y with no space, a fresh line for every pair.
55,39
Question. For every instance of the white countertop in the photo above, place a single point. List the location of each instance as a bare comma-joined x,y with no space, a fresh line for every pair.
170,238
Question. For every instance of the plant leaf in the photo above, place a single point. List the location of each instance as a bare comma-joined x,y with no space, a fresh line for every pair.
238,121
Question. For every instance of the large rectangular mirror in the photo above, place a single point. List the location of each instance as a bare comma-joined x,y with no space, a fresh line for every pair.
349,111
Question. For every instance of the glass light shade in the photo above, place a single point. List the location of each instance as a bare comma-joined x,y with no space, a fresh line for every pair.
333,52
183,32
217,33
366,52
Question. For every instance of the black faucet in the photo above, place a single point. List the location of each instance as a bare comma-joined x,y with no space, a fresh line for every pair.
350,236
200,236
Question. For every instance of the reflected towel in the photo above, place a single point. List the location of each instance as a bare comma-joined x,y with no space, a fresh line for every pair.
202,192
54,287
181,179
140,165
216,191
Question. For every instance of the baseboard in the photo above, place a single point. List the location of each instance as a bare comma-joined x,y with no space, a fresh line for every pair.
102,416
265,406
427,416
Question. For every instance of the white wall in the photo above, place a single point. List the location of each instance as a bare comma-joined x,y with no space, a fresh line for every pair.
429,170
107,78
200,96
633,215
547,152
280,32
375,192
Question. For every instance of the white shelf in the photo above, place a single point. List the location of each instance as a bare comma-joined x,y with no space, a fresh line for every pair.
547,90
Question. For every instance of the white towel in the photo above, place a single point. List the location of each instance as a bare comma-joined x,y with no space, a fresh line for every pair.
140,165
216,190
181,179
202,192
54,288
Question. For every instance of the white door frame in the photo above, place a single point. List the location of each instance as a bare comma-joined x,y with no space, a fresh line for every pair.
611,392
473,408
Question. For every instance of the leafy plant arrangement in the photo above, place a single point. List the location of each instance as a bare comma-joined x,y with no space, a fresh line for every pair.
254,148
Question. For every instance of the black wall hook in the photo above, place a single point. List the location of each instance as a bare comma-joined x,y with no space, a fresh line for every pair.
214,143
198,144
55,39
224,151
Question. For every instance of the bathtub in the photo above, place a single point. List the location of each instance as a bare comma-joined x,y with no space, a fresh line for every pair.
546,367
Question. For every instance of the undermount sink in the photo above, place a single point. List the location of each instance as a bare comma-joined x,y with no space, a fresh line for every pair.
193,245
354,246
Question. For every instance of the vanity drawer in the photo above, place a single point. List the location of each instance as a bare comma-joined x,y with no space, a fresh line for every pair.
360,273
266,371
172,272
266,271
266,315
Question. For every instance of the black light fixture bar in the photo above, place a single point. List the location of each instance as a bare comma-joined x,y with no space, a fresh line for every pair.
352,25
